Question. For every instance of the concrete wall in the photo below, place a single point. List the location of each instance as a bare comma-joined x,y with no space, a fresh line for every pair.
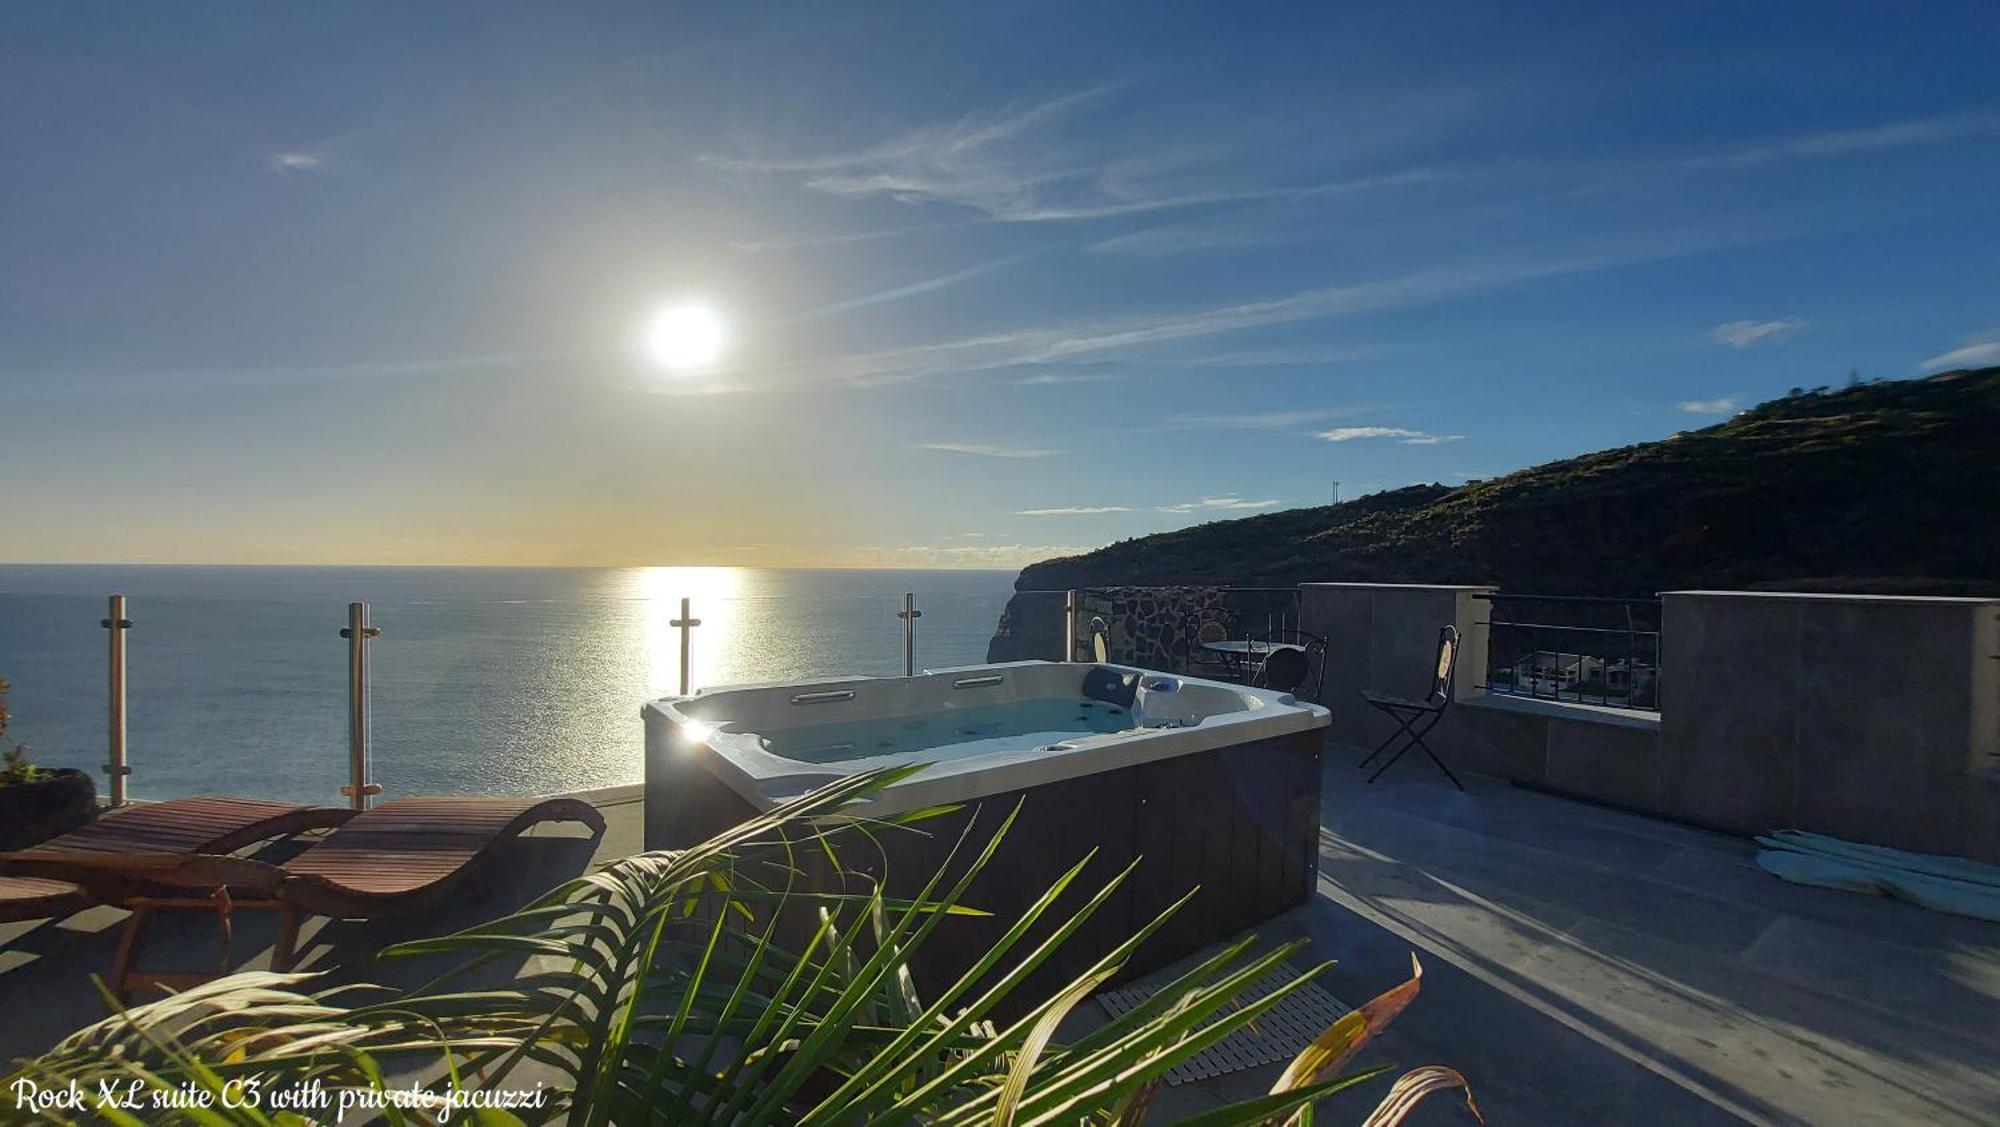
1872,718
1868,717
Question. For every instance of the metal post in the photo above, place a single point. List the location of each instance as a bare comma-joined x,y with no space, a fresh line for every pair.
1069,626
684,623
115,769
909,615
359,788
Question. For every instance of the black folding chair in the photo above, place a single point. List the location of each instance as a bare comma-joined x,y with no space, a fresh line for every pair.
1416,718
1296,659
1197,631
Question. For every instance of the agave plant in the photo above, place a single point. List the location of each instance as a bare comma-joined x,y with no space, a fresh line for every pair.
680,987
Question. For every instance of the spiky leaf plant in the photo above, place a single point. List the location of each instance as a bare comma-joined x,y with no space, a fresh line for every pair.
678,988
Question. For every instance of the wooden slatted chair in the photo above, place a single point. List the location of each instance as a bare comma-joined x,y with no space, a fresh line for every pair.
400,857
56,877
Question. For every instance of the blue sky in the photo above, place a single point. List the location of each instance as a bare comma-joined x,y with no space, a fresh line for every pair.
365,283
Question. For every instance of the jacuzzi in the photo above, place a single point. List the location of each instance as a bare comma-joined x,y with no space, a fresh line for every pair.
1207,784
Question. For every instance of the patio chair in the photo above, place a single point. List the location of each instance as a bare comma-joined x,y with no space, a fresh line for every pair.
1200,631
155,829
400,857
1414,719
1296,660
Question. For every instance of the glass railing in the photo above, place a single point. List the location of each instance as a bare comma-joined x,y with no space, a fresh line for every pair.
497,680
481,680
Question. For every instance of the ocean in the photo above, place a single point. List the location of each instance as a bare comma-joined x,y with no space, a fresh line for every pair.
485,680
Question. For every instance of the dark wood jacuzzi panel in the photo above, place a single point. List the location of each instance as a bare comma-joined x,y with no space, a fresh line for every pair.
1241,822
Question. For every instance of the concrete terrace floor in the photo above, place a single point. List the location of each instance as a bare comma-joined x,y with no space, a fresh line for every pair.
1582,965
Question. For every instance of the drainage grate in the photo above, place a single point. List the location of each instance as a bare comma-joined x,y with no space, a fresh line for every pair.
1276,1036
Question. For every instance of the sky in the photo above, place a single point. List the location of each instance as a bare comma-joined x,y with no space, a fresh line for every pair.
371,283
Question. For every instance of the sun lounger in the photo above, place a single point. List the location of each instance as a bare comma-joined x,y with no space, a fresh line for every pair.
34,890
399,857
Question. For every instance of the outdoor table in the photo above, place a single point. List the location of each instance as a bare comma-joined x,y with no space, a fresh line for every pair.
1245,656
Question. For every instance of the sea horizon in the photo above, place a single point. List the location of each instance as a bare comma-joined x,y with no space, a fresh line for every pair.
486,679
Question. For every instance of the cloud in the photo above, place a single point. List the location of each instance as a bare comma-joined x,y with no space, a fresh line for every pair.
1056,379
1403,434
1972,355
976,555
1869,139
295,162
1010,167
928,285
1143,338
1073,511
1723,406
1743,334
1217,503
984,450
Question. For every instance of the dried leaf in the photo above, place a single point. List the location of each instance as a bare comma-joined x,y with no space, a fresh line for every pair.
1332,1050
1410,1090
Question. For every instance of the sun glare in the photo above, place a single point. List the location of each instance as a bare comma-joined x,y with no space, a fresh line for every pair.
684,338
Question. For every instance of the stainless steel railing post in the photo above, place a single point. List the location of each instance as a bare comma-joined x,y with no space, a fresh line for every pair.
909,614
359,788
1069,626
115,769
684,623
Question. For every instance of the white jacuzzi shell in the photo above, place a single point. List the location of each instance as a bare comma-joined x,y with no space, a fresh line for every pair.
723,727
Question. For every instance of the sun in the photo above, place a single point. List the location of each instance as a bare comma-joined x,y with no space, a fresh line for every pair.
684,337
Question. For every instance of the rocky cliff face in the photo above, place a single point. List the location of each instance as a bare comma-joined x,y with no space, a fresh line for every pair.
1889,486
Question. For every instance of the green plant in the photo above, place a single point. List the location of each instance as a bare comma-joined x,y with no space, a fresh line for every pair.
14,765
664,988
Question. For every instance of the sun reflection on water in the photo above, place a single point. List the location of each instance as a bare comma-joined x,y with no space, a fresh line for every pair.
714,600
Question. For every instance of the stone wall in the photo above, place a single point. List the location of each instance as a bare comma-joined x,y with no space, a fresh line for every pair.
1150,627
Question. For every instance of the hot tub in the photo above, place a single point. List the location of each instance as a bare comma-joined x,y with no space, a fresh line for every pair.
1213,785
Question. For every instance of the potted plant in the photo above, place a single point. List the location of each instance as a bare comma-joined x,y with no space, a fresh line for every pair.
37,803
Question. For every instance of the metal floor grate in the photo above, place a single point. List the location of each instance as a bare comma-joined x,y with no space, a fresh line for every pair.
1278,1035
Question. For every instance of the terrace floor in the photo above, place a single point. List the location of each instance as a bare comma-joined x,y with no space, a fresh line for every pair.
1582,965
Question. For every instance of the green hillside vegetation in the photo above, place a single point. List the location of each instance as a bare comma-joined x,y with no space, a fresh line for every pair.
1887,487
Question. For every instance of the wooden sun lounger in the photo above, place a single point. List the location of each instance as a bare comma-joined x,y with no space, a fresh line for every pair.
156,829
401,856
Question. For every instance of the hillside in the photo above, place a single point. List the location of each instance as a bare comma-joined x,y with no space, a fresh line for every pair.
1891,486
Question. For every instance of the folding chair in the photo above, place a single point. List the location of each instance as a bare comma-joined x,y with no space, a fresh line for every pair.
1295,661
1197,632
1416,718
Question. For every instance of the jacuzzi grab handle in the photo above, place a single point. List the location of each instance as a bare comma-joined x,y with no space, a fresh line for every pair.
828,697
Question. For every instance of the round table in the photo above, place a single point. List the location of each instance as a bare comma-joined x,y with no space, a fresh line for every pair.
1245,655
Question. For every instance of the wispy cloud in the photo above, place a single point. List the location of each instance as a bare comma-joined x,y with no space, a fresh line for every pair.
1743,334
803,242
1971,355
1212,504
928,285
1073,511
1722,406
1404,435
1057,379
975,555
986,450
1977,122
1010,166
295,162
1143,338
1239,230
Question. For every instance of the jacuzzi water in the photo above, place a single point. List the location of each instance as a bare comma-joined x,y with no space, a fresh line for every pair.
957,734
976,730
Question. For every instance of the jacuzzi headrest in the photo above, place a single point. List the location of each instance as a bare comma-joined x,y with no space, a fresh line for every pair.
1161,703
1110,686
